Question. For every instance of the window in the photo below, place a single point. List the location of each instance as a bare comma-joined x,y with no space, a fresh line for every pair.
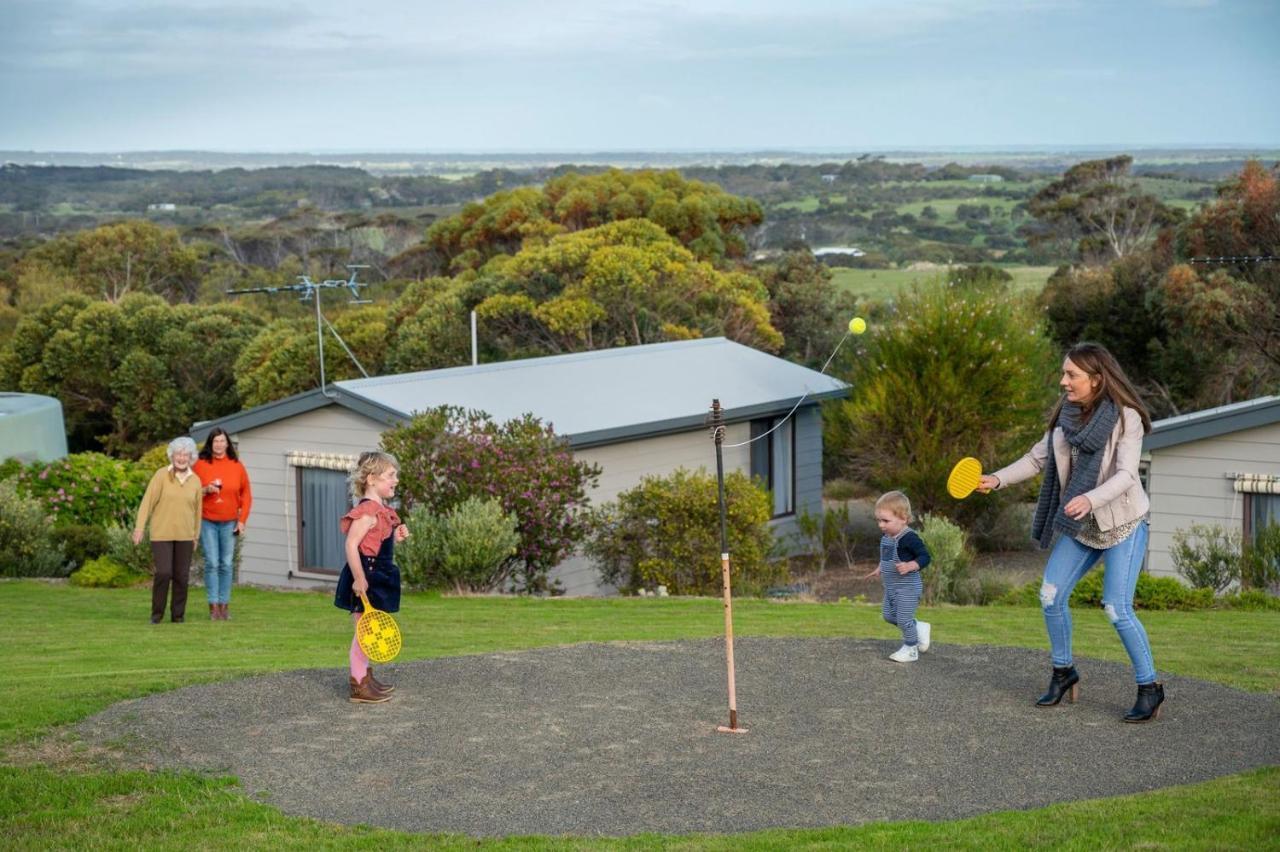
1260,510
773,461
322,500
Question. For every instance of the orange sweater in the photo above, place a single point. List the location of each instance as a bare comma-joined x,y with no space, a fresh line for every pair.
236,496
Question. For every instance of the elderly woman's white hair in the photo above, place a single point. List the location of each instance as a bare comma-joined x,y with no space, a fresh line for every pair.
182,445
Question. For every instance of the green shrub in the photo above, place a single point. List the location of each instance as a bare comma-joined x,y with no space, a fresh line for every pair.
80,542
666,531
949,547
105,572
1250,599
1260,561
470,548
135,557
955,371
980,588
422,553
1207,556
1150,593
1008,528
834,538
10,468
26,547
87,488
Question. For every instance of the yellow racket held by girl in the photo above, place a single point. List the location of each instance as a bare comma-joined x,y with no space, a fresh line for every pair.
964,478
377,633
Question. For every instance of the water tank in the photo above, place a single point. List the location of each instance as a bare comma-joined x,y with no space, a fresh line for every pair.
31,428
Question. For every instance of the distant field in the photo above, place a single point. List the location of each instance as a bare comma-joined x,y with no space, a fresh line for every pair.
881,284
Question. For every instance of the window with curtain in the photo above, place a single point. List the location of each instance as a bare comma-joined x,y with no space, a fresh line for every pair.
1262,511
322,500
773,462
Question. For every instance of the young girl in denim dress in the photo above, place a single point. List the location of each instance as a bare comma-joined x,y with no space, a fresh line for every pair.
372,529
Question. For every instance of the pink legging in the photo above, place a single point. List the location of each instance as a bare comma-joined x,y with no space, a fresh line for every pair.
359,662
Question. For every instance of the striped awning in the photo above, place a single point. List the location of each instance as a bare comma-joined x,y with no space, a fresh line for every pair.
326,461
1257,483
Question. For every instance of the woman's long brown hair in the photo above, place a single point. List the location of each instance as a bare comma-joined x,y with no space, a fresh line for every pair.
1096,360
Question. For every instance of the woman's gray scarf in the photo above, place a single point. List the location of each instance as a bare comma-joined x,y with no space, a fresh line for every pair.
1089,439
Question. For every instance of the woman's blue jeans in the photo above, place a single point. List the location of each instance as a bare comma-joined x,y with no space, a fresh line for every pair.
218,542
1068,562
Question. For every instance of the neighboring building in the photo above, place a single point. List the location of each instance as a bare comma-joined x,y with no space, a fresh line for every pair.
1219,466
986,178
31,428
635,411
163,207
829,179
838,251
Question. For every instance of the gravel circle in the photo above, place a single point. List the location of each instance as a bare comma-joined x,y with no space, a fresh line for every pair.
620,738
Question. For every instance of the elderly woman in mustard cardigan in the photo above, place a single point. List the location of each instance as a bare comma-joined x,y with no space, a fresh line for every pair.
1092,503
171,506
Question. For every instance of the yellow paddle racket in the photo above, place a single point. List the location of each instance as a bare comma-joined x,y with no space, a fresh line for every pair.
964,477
378,634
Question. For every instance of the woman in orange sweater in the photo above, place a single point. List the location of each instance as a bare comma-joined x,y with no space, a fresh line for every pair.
227,499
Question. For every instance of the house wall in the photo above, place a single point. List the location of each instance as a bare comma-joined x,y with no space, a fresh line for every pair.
1189,484
270,550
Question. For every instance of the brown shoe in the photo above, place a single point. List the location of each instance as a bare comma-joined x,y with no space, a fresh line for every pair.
226,616
363,692
379,685
213,612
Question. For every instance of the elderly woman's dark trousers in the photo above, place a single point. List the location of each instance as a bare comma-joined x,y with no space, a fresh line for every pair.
173,565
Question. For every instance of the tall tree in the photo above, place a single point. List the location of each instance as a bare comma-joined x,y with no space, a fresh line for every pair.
1097,210
112,261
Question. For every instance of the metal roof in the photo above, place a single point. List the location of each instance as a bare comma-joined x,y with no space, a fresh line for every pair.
1212,422
596,397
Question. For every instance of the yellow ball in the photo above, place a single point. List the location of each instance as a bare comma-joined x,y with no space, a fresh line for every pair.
857,325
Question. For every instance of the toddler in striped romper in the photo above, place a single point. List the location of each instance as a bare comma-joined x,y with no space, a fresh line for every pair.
902,556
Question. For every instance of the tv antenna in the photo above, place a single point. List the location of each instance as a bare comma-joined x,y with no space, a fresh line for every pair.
311,290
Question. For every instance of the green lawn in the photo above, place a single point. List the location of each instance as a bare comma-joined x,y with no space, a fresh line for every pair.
76,651
881,284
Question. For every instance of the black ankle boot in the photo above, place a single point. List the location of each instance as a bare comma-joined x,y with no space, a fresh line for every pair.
1147,707
1063,683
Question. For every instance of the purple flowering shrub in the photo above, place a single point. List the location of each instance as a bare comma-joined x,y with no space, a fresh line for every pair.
449,454
86,488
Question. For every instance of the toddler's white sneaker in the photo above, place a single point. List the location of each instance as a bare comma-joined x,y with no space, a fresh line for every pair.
923,631
905,654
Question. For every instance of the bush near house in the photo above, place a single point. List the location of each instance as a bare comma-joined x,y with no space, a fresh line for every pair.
449,454
105,572
27,548
1207,556
86,488
666,531
471,548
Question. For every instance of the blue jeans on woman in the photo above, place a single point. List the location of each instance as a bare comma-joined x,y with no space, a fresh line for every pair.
1068,562
218,542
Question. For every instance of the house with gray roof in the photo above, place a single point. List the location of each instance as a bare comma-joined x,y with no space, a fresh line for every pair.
1218,466
635,411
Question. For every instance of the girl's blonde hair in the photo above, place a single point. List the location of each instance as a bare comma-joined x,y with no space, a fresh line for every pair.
896,502
369,465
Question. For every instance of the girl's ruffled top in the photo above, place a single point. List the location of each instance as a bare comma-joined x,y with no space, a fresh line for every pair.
386,522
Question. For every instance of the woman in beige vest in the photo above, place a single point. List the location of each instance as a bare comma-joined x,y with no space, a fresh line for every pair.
1092,502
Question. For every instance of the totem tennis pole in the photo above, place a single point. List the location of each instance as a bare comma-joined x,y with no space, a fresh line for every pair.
716,422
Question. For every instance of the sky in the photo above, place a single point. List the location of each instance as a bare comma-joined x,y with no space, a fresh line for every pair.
597,75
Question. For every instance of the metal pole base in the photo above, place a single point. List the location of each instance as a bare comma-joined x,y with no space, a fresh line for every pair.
722,729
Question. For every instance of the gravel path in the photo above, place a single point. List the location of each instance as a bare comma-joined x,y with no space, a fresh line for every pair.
620,738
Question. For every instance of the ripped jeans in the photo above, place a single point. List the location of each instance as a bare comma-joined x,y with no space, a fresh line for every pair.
1068,562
